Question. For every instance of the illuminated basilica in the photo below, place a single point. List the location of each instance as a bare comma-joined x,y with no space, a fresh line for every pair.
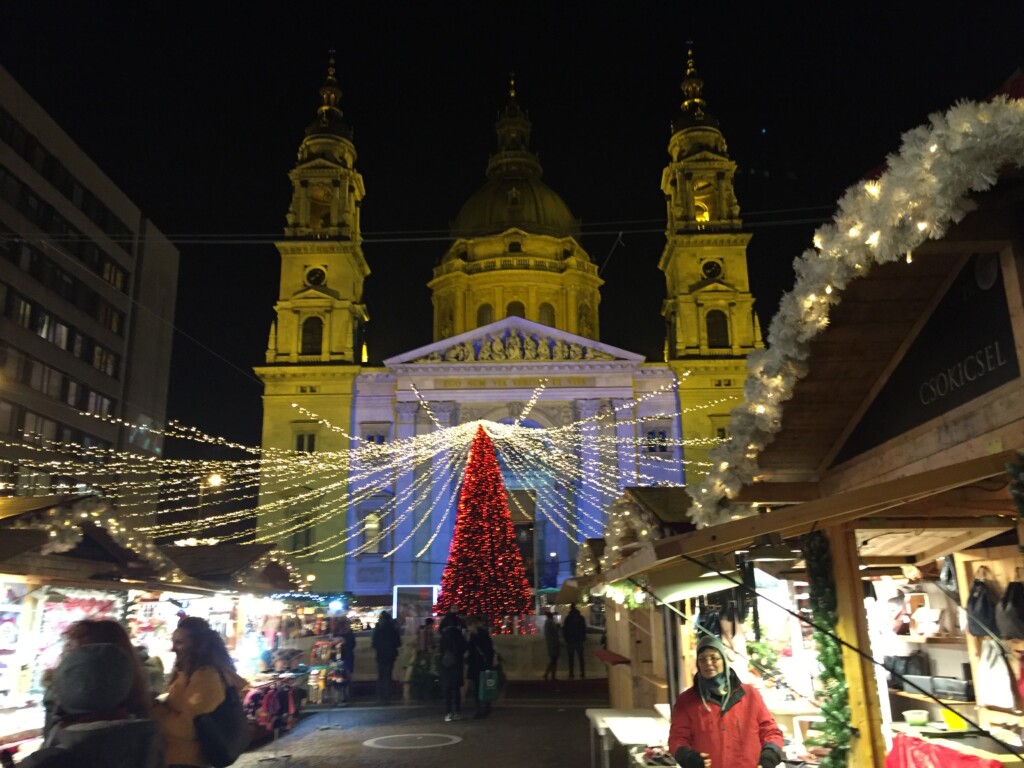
516,303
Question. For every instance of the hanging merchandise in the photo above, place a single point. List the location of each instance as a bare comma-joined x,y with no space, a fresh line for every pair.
981,608
709,619
947,576
1010,611
994,685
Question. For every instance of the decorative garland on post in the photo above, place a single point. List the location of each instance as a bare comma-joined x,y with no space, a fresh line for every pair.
834,697
1016,472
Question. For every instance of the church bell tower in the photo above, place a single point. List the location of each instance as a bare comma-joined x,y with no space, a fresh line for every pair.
315,347
320,314
709,310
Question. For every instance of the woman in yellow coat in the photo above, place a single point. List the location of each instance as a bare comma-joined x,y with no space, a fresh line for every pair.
201,667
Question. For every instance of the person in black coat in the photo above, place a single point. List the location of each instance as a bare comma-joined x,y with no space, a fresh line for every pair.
386,642
479,657
452,647
574,631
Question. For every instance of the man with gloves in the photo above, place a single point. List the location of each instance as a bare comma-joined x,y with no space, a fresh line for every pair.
721,722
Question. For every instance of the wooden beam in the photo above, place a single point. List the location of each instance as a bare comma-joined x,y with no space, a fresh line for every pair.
832,510
979,509
958,544
777,493
886,559
867,747
931,523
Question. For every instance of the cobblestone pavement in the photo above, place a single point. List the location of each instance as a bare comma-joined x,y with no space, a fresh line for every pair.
532,734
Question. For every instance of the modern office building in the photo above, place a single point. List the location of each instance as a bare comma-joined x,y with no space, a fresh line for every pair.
87,293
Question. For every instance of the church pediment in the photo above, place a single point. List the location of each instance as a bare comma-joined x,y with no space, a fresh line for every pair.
317,163
715,285
314,292
514,340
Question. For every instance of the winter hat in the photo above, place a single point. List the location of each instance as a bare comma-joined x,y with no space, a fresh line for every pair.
710,641
93,678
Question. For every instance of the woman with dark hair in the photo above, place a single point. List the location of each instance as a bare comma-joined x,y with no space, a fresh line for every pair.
202,668
98,704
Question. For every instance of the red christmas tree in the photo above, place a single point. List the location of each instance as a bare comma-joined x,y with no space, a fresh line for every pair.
485,572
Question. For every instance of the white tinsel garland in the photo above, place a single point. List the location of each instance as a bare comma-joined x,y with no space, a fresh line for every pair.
256,568
923,192
627,523
63,523
586,563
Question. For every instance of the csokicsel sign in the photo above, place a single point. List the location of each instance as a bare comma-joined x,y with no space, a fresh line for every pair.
964,350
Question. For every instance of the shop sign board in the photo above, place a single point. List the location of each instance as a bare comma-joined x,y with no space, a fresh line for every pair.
965,349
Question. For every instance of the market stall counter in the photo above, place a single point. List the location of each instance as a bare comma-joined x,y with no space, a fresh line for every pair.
626,727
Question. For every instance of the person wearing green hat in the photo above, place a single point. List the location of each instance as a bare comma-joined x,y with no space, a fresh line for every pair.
721,722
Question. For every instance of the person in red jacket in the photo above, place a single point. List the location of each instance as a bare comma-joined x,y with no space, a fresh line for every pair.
721,722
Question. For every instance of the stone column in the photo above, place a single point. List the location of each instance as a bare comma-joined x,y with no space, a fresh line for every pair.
405,428
588,498
625,435
442,486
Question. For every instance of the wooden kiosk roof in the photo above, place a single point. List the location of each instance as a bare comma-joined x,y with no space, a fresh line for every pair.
935,504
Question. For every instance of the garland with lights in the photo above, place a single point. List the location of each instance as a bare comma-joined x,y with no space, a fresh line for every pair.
833,696
484,574
277,557
924,190
63,523
1016,472
628,524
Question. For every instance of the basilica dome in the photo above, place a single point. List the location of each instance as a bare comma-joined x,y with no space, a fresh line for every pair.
514,195
521,203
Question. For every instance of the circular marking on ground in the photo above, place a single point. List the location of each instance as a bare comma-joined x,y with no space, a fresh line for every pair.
412,741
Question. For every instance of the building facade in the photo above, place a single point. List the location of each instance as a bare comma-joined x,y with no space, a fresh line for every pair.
87,292
516,331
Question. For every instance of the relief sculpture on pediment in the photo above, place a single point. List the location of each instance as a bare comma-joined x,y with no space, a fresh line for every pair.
515,345
529,347
485,350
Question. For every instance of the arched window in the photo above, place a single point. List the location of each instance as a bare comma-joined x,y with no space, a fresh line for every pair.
515,247
312,336
702,212
547,315
718,329
515,309
484,314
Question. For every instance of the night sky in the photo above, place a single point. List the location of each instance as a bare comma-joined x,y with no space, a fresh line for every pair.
196,112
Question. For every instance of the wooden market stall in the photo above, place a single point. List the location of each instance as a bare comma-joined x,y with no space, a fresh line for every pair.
896,439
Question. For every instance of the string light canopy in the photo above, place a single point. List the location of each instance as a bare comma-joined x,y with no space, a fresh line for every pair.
202,501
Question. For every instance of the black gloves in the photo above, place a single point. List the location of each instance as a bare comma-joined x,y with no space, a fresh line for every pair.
688,758
769,758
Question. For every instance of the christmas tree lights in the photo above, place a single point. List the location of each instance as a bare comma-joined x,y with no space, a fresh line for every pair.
485,573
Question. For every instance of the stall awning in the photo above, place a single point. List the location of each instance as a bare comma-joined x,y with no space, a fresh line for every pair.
572,590
801,518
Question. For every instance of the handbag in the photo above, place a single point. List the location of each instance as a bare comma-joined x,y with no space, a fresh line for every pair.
981,608
223,734
488,685
1010,611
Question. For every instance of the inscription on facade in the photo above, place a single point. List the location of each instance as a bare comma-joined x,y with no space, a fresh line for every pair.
371,574
512,381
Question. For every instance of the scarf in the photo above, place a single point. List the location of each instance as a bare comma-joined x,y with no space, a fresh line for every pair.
716,689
